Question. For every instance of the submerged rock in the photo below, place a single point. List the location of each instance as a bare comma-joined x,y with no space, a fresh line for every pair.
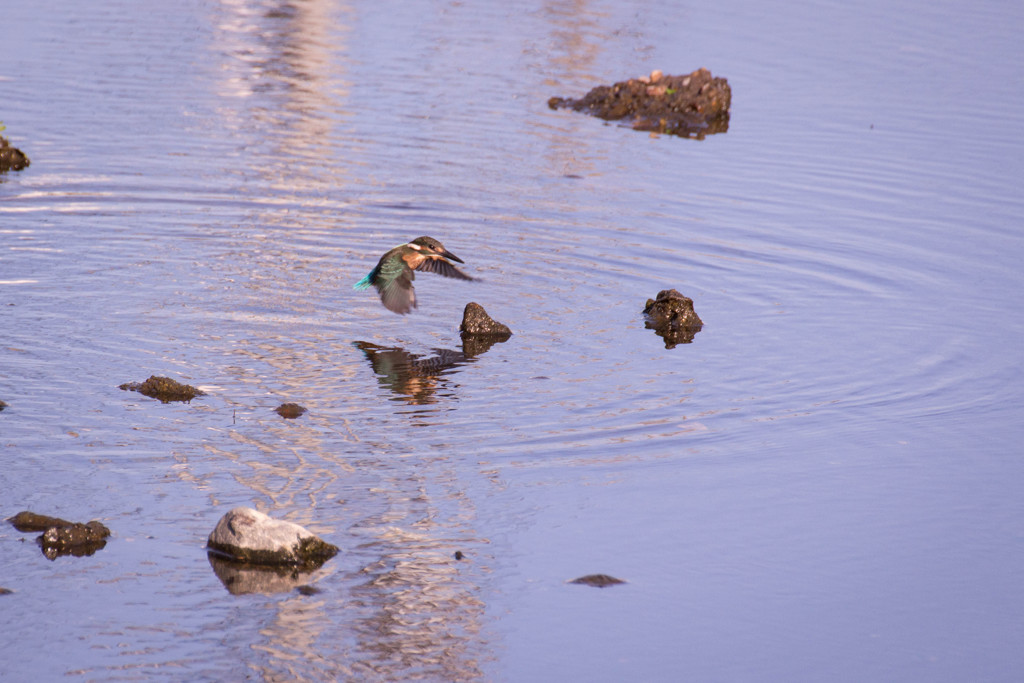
692,105
672,317
11,158
290,410
163,388
247,535
597,580
61,537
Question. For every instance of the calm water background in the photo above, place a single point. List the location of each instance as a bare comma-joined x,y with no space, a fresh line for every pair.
825,485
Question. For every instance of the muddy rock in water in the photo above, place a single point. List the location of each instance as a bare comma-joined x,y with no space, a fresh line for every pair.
61,537
597,580
672,317
476,323
480,331
11,158
290,411
247,535
163,388
692,105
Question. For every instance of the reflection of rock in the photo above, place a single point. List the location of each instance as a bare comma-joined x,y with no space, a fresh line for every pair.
61,537
241,579
11,158
247,535
2,405
163,388
672,317
692,105
290,410
597,580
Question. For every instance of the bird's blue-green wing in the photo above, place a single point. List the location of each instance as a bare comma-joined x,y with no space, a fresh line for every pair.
394,282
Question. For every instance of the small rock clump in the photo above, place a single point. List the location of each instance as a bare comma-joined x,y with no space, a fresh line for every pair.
672,317
692,105
249,536
61,537
11,158
163,388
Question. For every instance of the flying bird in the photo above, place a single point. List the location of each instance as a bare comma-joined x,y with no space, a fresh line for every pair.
394,273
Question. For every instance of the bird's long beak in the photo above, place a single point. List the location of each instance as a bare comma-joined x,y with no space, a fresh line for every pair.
453,257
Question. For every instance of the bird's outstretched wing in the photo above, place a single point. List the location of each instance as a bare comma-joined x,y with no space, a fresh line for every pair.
394,283
442,267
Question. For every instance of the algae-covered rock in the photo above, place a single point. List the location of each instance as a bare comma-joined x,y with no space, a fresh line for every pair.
11,158
61,537
692,105
672,317
480,331
476,323
163,388
247,535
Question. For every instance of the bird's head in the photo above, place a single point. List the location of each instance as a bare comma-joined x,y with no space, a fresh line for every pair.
430,246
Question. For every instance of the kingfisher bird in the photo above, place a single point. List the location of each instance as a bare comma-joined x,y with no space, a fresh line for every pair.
394,273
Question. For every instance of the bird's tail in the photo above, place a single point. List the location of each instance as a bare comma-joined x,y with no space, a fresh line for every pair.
364,283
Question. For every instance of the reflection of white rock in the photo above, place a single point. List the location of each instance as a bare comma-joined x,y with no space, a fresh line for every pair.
247,535
241,579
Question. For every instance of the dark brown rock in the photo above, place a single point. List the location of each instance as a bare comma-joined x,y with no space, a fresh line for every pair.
75,539
476,323
692,105
61,537
597,580
672,317
290,410
26,522
11,158
164,388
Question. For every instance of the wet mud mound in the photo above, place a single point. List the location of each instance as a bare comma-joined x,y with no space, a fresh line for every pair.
691,106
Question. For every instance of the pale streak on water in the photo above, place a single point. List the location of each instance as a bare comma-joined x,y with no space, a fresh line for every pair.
824,485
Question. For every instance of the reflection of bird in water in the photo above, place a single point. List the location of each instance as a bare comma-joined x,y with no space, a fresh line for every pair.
409,374
394,273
